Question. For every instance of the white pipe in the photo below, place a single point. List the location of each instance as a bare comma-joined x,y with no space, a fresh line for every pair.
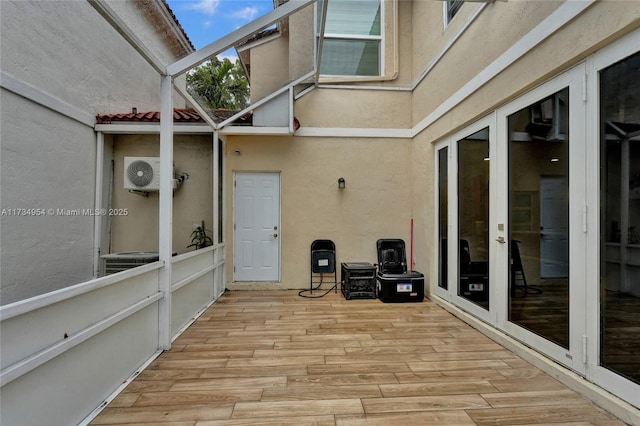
97,223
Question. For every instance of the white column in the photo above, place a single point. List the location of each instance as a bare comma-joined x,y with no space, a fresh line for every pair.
166,212
216,187
97,222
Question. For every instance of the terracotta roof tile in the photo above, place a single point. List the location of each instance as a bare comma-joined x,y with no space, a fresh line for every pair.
187,115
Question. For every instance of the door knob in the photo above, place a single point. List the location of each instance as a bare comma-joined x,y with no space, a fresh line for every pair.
275,235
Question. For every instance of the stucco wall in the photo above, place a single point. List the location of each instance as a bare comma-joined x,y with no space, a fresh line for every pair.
599,25
64,51
192,201
375,204
272,57
48,162
69,51
354,109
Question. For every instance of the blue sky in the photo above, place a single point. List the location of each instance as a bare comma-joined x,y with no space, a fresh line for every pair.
208,20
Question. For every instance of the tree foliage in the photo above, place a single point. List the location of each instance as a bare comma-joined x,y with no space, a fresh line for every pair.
221,84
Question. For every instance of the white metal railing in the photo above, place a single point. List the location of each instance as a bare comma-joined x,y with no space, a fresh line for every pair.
62,354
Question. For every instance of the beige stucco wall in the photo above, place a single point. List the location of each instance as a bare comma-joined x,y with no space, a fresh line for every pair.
274,57
599,25
354,108
422,38
192,201
375,204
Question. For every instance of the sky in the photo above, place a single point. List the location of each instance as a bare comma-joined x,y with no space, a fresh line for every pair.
206,21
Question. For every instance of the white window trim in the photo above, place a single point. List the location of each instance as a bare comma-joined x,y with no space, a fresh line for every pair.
381,52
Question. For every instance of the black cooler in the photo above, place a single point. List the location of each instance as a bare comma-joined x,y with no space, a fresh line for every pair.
393,282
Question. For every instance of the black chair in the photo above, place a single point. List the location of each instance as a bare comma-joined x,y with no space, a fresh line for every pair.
323,261
517,273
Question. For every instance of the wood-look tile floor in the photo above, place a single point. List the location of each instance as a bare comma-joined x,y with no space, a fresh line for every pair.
274,358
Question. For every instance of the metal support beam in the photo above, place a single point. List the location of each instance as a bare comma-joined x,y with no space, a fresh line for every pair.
216,187
97,219
165,228
237,36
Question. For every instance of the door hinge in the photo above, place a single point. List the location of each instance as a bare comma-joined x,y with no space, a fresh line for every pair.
585,210
584,349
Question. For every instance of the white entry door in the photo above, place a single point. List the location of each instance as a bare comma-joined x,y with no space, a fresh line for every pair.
256,249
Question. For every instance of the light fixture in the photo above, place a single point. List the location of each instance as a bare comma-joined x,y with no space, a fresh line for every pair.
555,160
341,183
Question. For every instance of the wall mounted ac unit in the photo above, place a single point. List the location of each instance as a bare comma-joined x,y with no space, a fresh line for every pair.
142,173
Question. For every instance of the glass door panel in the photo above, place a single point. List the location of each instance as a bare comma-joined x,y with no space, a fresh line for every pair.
443,212
473,218
620,218
538,163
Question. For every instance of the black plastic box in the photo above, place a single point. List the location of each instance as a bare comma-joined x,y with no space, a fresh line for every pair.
398,288
358,280
393,282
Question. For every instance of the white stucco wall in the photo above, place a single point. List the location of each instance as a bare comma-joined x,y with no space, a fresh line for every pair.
66,52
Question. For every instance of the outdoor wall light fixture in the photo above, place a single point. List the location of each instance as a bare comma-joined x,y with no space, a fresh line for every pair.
341,183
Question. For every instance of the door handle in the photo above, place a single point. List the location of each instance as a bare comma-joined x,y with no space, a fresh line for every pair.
275,235
500,240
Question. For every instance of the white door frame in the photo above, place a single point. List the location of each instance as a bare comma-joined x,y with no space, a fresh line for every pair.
574,357
277,231
604,377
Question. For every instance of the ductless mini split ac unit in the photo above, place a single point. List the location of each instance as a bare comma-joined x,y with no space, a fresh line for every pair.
142,173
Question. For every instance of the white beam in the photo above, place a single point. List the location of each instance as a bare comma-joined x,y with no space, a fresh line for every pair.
165,219
97,224
266,99
239,35
216,187
180,84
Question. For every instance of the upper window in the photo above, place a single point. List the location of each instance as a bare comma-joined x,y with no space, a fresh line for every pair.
451,8
353,38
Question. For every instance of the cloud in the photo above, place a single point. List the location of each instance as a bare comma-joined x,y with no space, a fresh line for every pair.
246,14
228,56
208,7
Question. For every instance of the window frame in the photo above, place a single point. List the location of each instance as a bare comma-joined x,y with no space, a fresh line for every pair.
450,9
381,39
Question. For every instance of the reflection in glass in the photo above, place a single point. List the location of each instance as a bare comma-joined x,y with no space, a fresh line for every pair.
473,218
443,185
620,218
539,218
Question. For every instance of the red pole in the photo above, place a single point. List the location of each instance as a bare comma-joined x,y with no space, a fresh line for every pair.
411,249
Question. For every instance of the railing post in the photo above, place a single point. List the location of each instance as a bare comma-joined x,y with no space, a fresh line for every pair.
165,219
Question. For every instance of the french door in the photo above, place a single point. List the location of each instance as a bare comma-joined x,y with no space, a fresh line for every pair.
538,218
511,198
